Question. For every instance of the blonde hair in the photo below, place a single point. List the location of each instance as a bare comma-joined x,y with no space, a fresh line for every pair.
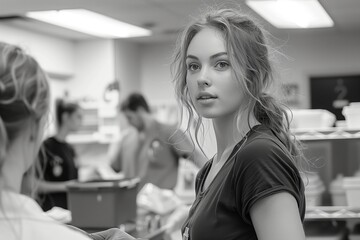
249,58
24,94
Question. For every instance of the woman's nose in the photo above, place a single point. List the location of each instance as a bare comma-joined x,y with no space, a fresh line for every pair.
204,77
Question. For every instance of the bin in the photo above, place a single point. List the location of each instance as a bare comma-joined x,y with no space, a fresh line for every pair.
352,189
355,233
338,194
103,204
324,230
314,189
352,116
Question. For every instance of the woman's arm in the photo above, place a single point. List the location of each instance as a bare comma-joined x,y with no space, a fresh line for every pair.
48,187
277,218
114,155
134,155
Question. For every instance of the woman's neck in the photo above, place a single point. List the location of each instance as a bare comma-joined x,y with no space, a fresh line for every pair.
12,170
228,133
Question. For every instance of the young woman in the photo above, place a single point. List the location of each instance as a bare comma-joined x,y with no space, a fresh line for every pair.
251,189
24,103
57,160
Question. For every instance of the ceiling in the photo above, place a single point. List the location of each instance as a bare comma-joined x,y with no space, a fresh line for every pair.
164,17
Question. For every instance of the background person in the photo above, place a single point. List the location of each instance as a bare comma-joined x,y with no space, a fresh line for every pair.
151,149
58,158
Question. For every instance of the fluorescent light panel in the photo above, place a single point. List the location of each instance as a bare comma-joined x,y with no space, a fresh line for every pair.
89,22
292,13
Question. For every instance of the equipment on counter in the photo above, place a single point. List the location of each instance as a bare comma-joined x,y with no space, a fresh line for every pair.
103,204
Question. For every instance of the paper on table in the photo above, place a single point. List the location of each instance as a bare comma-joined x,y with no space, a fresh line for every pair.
107,173
159,201
59,214
100,172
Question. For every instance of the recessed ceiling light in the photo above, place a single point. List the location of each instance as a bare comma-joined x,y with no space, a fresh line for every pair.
89,22
292,13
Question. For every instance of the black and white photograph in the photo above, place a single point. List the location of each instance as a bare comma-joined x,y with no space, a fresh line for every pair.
180,119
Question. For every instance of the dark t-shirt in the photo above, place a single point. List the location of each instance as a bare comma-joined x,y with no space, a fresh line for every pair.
58,165
257,168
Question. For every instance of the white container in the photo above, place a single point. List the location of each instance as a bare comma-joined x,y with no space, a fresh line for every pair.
311,119
354,104
352,189
338,194
314,189
314,196
352,116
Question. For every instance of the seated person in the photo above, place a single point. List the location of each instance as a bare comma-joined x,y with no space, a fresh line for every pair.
57,158
151,149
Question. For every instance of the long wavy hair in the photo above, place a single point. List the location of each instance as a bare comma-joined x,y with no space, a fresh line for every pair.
250,61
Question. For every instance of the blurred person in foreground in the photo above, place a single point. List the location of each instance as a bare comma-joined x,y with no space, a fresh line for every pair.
58,158
24,105
151,149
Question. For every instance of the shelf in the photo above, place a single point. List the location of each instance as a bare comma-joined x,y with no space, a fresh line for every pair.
332,213
326,134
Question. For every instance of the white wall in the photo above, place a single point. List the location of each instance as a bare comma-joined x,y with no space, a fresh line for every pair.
94,68
320,55
127,66
81,68
308,55
156,81
55,55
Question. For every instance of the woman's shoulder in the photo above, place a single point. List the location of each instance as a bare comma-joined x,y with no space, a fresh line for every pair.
263,141
263,148
47,230
30,221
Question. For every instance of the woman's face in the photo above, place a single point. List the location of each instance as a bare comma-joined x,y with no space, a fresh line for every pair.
213,89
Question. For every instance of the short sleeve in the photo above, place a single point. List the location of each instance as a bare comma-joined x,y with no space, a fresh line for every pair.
263,169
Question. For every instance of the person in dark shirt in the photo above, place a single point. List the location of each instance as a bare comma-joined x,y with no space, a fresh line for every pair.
252,188
57,158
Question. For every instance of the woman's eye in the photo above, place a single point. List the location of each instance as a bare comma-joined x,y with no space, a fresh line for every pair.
193,67
222,65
